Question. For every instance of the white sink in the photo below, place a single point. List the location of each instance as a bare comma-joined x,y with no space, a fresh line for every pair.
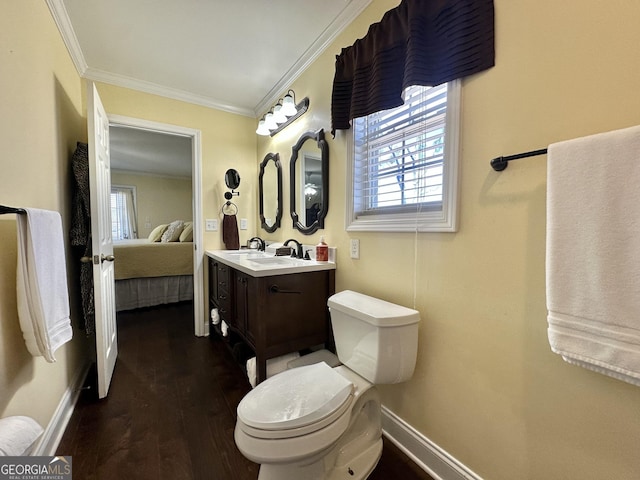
262,264
273,260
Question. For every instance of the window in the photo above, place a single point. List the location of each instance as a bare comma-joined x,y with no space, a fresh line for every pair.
123,213
404,164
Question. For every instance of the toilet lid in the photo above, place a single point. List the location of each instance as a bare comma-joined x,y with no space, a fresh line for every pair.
295,398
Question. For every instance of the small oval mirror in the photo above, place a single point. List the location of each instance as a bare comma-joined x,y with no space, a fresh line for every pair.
232,178
270,186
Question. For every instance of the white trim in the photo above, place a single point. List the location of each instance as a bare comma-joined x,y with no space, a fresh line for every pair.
163,91
350,12
445,220
426,454
61,18
50,438
201,325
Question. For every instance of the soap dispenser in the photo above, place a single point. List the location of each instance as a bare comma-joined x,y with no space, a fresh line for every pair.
322,251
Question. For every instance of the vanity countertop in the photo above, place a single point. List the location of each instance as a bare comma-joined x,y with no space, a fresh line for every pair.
261,264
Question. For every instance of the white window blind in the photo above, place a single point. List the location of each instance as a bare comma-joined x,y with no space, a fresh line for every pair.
400,163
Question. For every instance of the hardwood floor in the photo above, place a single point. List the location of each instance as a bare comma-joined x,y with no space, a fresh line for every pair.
171,409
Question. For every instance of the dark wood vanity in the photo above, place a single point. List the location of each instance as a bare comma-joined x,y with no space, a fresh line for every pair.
273,315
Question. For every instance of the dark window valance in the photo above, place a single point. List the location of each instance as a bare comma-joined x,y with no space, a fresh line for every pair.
420,42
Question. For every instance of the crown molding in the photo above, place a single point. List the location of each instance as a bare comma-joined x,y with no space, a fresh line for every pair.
348,15
155,89
61,18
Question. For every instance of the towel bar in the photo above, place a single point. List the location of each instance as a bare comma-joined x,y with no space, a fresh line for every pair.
4,209
500,163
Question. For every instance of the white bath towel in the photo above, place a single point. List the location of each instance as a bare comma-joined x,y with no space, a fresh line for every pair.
593,252
43,298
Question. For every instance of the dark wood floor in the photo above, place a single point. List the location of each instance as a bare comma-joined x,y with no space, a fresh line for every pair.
171,409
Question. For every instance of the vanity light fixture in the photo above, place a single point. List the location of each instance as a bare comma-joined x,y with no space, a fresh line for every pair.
282,114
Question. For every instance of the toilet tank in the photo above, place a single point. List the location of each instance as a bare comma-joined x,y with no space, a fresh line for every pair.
376,339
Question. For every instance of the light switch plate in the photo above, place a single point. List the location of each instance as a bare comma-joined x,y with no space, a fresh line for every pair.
211,224
243,224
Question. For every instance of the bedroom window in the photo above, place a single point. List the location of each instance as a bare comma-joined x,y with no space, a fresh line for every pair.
123,212
403,164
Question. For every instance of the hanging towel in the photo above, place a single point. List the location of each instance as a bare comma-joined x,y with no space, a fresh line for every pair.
230,235
43,298
593,252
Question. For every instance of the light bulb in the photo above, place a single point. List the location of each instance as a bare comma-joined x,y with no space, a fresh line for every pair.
270,122
262,128
289,106
278,116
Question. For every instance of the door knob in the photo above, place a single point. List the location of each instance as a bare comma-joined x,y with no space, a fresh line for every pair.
108,258
85,259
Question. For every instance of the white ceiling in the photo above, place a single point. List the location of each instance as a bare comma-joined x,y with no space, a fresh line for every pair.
239,56
236,55
146,151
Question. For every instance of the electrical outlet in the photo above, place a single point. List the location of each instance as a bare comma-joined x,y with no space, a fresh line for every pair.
243,224
211,224
355,248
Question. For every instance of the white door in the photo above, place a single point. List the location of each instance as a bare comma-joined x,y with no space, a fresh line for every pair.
101,241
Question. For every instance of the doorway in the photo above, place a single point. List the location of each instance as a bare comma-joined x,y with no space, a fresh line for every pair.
162,137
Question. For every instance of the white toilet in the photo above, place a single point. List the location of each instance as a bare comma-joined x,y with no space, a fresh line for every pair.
317,422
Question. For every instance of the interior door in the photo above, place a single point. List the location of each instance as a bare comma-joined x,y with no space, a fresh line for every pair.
101,241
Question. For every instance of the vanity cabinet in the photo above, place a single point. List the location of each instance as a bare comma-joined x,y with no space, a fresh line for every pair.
219,289
274,315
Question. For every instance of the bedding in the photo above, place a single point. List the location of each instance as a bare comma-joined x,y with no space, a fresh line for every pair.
140,258
152,273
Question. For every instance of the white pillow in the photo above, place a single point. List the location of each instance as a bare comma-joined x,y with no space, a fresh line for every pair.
18,435
173,231
156,233
187,233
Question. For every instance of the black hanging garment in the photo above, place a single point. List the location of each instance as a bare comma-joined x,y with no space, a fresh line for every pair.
80,233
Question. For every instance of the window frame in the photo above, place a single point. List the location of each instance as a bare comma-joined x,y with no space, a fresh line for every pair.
134,194
424,219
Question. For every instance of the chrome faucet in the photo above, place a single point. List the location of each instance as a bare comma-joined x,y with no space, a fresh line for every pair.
261,244
298,252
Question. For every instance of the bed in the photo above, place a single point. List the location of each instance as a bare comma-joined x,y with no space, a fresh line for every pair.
149,273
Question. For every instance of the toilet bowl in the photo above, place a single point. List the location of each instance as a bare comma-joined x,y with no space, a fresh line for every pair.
319,422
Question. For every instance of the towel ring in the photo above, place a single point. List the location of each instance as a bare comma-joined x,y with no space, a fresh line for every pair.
229,204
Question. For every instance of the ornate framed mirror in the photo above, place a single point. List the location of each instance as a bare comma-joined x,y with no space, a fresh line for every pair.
309,182
270,192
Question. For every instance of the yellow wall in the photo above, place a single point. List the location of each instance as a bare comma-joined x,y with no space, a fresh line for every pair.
40,123
487,388
228,141
159,199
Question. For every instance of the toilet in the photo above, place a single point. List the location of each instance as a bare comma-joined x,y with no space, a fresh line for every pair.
318,422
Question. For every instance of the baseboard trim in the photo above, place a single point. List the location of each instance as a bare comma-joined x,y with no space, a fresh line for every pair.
52,435
426,454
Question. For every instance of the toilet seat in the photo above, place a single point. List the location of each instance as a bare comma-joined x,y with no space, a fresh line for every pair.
295,402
